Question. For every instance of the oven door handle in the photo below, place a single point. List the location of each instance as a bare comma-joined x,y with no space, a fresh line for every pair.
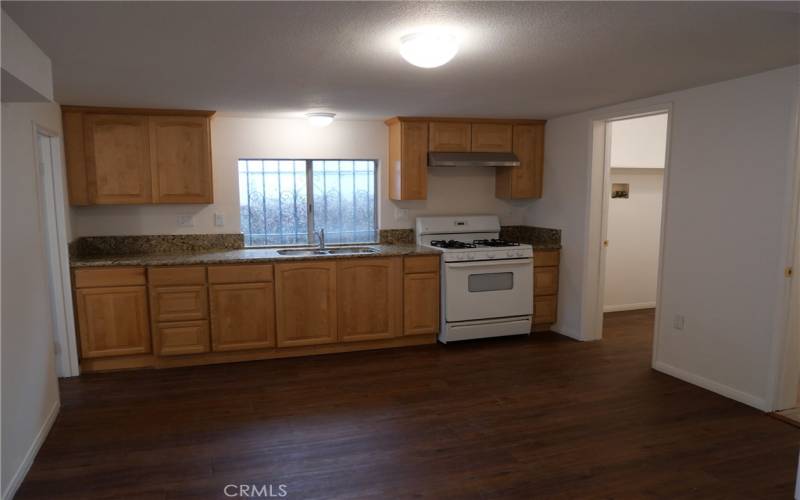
483,263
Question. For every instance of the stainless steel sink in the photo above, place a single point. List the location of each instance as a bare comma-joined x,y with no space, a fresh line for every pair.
301,252
352,250
308,252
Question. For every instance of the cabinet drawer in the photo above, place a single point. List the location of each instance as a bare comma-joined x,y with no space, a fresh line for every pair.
113,276
544,258
178,275
182,337
491,137
240,274
179,303
545,280
544,310
421,264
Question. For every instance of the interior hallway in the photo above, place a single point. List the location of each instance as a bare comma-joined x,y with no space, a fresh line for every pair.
521,417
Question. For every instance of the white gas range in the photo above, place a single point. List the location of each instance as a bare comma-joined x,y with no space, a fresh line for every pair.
487,283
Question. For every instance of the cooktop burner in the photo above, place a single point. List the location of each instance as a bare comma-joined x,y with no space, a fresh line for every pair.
496,243
451,244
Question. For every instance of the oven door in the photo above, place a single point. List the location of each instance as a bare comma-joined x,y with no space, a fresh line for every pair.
488,289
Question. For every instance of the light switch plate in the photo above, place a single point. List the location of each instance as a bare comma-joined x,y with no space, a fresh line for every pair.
678,322
219,219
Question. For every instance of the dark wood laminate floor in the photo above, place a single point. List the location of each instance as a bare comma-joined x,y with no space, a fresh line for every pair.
538,417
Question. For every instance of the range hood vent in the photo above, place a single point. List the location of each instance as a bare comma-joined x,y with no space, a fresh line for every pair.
441,159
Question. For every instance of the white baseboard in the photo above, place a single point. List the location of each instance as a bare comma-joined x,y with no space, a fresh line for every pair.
629,307
24,467
711,385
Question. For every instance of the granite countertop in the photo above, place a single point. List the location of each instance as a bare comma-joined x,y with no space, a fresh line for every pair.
239,256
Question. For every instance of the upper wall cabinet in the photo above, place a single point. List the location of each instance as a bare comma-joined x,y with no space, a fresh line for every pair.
130,156
408,160
412,138
450,136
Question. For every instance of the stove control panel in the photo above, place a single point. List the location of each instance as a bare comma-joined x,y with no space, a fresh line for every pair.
495,254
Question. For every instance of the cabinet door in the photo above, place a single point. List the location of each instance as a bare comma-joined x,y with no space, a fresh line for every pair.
117,159
242,316
180,152
369,298
178,303
544,310
545,281
447,136
421,303
408,161
491,137
182,337
306,303
113,321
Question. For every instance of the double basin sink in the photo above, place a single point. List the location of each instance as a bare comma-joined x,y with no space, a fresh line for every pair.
298,252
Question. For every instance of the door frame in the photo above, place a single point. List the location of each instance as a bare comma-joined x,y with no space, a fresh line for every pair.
785,361
597,216
53,223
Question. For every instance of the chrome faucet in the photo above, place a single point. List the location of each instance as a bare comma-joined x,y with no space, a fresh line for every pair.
321,235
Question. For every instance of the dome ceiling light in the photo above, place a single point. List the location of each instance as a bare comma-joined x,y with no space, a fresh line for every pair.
320,120
428,49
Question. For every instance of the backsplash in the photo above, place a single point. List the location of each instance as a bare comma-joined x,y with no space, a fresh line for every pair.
98,246
539,237
396,236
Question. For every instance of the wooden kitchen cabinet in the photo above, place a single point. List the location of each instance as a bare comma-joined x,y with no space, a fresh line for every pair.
112,321
178,309
369,298
305,299
120,156
450,136
545,288
421,295
242,307
117,159
524,180
242,316
491,137
180,150
408,159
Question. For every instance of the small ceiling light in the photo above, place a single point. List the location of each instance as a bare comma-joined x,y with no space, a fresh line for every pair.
320,119
428,49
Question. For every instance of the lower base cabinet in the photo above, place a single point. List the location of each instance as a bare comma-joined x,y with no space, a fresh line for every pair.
242,316
112,321
306,303
369,298
545,288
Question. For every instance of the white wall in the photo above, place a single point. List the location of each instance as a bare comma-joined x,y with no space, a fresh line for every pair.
726,229
23,59
634,232
457,190
30,389
639,142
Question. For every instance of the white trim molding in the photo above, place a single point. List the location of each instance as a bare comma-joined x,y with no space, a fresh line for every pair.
629,307
30,455
708,384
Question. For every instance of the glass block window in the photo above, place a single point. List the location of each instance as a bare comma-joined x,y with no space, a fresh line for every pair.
283,202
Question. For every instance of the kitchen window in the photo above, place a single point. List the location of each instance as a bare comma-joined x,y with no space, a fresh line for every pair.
283,202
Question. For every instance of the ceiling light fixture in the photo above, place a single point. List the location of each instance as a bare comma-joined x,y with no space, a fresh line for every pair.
428,49
320,119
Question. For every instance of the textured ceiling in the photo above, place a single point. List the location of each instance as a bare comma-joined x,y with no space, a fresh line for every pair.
521,59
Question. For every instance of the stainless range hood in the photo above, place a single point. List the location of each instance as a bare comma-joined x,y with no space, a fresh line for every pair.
441,159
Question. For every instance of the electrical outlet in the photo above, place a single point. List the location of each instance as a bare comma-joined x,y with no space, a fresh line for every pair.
185,221
400,213
678,322
219,219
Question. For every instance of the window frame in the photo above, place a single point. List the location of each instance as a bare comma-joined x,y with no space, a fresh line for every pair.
310,199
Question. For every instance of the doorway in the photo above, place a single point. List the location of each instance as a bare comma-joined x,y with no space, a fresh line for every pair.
52,215
629,177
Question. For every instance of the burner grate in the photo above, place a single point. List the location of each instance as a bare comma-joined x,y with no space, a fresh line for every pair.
496,243
452,244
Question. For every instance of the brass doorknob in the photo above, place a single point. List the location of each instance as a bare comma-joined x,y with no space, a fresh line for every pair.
605,243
